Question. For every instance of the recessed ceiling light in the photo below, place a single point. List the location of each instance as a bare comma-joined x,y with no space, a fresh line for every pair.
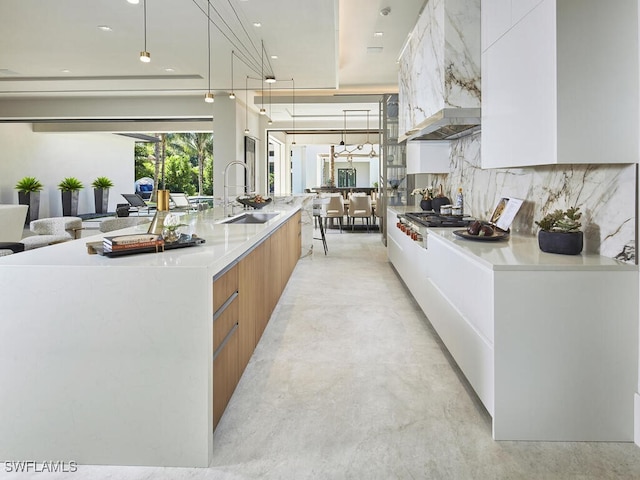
257,24
169,69
134,2
65,70
374,49
378,34
105,28
274,57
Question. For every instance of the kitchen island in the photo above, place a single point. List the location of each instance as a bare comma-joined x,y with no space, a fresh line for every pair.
111,360
548,342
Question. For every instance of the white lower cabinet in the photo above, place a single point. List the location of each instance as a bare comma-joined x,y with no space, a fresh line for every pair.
548,342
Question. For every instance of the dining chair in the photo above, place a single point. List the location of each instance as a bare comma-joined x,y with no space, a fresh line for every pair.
360,207
335,209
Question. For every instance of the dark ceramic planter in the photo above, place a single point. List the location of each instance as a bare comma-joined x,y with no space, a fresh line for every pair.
70,204
101,198
426,204
565,243
33,200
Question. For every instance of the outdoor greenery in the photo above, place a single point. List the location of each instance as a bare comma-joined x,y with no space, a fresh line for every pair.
178,162
28,185
102,182
70,184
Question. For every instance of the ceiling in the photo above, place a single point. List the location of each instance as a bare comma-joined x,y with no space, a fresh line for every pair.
325,48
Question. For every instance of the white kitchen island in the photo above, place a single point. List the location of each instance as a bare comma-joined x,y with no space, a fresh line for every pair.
109,360
548,342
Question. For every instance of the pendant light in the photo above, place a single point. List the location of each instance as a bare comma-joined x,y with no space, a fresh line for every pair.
294,111
246,106
208,97
232,95
372,153
145,56
270,122
262,110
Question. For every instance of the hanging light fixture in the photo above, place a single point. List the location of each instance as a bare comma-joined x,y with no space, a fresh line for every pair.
270,79
246,106
270,122
372,153
262,110
208,97
232,95
145,56
294,111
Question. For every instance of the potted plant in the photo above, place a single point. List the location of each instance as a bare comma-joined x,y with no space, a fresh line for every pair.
70,188
101,186
426,196
560,232
29,194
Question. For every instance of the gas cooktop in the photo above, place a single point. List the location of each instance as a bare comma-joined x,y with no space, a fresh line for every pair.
432,219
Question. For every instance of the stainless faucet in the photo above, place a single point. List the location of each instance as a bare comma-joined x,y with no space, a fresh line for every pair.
225,200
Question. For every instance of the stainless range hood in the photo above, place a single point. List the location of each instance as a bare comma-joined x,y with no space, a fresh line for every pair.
447,124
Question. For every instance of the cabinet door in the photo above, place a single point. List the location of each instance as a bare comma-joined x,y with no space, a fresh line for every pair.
226,374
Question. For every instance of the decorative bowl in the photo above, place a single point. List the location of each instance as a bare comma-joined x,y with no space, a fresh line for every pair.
248,201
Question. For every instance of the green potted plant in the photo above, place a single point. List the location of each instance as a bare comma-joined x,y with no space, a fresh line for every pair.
29,194
560,232
101,186
70,188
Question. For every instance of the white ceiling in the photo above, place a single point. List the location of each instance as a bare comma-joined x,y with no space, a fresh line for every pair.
54,48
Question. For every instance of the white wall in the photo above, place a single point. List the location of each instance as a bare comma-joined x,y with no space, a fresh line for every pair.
50,157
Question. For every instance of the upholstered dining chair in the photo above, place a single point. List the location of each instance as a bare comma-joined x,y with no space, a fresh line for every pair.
335,209
359,207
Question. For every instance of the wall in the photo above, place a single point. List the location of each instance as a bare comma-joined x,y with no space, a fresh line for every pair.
52,156
605,194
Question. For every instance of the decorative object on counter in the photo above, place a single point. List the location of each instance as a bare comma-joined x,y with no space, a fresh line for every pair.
427,197
171,226
460,201
254,201
560,232
440,200
101,186
29,194
498,227
70,188
163,200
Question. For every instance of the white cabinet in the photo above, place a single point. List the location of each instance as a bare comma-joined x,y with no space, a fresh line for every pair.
428,157
548,342
560,85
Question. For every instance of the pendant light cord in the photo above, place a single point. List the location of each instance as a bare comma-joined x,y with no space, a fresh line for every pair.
209,41
144,8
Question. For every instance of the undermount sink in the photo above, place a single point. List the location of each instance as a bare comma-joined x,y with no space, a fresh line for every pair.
251,217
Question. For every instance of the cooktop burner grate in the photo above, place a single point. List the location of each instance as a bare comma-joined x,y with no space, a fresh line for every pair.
432,219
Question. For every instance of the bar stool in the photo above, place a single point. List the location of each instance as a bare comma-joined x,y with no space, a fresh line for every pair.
319,211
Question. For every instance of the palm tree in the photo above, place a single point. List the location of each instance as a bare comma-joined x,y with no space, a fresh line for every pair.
198,145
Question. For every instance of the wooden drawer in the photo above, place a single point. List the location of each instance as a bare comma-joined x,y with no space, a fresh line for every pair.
225,321
224,286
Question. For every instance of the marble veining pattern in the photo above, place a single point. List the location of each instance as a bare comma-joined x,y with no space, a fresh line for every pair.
604,193
440,67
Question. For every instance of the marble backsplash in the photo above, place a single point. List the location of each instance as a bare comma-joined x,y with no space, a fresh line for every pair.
605,194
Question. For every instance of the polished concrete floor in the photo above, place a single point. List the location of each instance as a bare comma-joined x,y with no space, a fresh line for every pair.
349,381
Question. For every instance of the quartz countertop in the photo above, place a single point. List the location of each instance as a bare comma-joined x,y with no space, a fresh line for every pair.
223,244
519,252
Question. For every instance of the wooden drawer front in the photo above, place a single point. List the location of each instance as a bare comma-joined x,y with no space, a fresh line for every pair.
225,375
224,286
225,321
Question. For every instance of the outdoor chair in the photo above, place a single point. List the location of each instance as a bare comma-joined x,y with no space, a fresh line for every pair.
136,203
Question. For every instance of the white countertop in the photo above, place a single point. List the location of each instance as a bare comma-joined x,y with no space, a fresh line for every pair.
519,252
224,243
